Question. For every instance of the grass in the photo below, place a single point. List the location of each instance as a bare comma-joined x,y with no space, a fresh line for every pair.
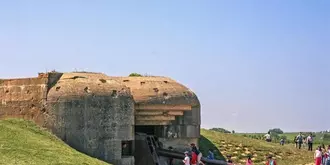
24,143
239,147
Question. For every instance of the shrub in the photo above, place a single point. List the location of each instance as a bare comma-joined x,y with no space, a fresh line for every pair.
276,130
220,130
135,75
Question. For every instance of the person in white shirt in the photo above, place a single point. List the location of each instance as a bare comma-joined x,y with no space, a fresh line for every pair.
268,137
186,159
318,156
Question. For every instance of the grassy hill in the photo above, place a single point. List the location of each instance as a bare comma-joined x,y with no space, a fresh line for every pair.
24,143
239,147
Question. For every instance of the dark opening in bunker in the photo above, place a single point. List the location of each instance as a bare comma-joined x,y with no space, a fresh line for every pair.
147,129
127,148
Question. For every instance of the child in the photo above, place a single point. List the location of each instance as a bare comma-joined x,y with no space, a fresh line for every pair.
186,159
249,161
271,161
318,156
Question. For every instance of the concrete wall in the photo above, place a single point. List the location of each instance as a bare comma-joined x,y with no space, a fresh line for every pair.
92,116
23,98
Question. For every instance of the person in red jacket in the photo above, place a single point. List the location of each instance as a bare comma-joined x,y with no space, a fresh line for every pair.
271,161
193,158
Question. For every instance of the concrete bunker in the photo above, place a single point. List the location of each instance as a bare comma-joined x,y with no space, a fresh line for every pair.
99,115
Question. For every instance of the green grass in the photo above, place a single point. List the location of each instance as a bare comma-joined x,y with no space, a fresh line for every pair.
24,143
239,147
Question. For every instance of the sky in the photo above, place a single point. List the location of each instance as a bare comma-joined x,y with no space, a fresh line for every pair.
254,65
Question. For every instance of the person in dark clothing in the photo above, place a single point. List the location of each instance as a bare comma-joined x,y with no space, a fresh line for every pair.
170,160
310,142
299,140
229,161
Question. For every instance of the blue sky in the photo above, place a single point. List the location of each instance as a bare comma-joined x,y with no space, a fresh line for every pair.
254,64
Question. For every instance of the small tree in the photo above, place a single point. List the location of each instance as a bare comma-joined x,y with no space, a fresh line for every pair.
233,131
276,130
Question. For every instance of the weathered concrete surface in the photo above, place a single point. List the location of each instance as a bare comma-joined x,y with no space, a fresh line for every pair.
92,114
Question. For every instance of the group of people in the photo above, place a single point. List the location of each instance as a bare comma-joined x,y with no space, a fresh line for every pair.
300,141
322,155
196,156
270,161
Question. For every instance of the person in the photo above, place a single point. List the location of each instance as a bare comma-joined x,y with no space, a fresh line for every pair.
310,142
124,149
295,141
271,161
268,137
299,140
170,160
210,155
199,154
328,159
193,158
186,159
323,154
229,161
282,142
249,161
318,156
304,143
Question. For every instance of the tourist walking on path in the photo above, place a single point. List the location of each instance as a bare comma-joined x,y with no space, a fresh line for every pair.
310,142
299,140
271,161
249,161
282,142
268,137
318,156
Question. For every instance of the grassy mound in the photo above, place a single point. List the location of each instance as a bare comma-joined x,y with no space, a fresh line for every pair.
24,143
240,147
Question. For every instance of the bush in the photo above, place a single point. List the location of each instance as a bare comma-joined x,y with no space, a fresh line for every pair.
220,130
135,75
276,130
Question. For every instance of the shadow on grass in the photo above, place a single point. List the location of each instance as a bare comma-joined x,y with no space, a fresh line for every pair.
204,146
